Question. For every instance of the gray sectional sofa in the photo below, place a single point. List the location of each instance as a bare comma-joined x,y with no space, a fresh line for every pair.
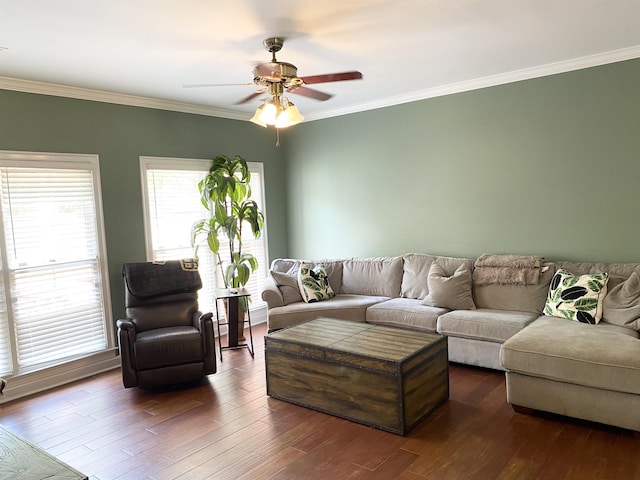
552,364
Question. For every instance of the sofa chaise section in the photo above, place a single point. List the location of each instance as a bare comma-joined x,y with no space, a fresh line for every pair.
587,371
584,371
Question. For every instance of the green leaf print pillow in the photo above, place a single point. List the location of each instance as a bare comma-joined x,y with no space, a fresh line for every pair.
577,297
314,283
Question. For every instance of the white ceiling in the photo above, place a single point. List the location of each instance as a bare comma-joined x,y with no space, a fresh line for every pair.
144,51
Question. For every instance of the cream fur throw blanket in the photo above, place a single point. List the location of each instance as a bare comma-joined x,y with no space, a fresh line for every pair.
507,269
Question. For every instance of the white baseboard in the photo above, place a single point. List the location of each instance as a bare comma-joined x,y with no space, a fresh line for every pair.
45,379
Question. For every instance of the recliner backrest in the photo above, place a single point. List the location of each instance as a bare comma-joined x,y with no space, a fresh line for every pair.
159,295
160,312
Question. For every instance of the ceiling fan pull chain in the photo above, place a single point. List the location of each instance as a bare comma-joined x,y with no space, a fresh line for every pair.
277,137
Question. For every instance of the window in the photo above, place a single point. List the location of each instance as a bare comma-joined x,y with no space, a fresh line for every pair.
53,298
172,206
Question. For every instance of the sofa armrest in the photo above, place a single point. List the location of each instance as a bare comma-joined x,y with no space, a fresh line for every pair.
271,293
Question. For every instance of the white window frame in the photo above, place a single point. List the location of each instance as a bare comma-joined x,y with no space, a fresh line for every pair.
258,307
32,380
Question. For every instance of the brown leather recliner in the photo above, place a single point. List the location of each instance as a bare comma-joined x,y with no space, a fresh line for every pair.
165,339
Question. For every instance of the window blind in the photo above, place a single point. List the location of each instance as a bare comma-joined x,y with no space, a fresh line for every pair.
173,206
53,263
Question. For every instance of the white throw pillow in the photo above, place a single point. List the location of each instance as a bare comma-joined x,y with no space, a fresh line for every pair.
577,297
314,283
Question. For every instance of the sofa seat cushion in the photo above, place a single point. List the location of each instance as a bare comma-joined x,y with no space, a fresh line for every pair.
484,324
601,356
405,312
342,306
168,346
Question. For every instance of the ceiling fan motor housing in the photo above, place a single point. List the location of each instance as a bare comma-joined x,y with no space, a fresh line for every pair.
279,72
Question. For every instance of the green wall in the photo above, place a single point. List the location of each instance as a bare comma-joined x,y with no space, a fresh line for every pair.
120,135
547,166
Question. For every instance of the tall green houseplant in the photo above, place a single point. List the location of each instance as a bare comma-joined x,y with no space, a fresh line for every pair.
226,193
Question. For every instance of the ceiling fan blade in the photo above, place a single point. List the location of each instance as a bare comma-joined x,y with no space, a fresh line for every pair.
250,97
310,93
199,85
332,77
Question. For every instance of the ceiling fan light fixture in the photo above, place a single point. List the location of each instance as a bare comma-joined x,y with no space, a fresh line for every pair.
289,116
256,117
270,112
280,114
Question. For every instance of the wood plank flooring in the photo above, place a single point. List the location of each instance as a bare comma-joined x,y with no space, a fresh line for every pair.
227,428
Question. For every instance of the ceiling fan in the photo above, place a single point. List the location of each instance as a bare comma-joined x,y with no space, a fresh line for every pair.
277,78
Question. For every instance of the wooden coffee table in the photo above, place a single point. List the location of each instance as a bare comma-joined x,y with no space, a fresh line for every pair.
21,459
384,377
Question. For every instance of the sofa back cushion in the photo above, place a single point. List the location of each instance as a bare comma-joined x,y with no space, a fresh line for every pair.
416,272
621,306
372,276
523,298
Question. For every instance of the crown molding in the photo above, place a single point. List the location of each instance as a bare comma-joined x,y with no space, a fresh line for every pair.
489,81
43,88
30,86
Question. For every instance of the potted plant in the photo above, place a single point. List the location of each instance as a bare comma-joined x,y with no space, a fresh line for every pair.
226,193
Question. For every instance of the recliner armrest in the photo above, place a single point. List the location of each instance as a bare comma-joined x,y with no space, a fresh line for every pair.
204,323
200,318
125,325
126,338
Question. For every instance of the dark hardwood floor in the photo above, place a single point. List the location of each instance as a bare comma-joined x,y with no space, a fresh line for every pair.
227,428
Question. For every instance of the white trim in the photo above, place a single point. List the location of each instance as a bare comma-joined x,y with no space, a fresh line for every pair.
52,158
45,379
64,372
73,160
176,163
162,163
43,88
489,81
57,90
259,166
